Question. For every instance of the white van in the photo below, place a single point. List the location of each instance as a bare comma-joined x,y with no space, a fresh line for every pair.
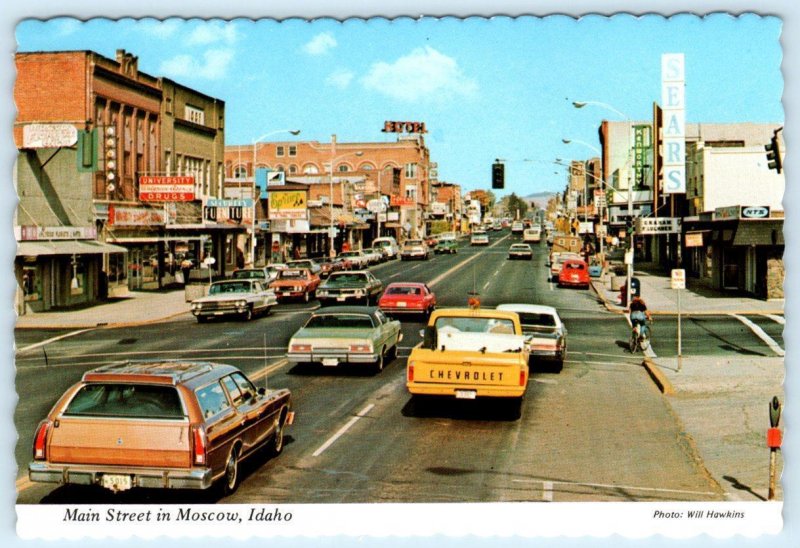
532,235
388,244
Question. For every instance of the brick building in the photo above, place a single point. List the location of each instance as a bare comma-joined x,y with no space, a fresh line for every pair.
87,128
362,171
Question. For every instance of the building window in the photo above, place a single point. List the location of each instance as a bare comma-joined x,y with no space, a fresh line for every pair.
280,150
194,115
239,172
292,150
310,169
343,168
292,168
279,167
411,171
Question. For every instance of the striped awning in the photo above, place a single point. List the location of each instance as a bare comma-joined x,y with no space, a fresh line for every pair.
66,247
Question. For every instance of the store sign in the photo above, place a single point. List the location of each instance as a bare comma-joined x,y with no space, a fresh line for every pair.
658,225
216,202
404,127
673,98
726,213
694,239
600,198
641,149
32,233
157,188
755,212
402,202
228,215
289,204
135,216
49,135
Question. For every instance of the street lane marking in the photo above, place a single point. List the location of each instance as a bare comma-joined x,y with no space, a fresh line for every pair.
342,430
395,275
779,319
547,488
612,486
268,369
98,363
53,339
486,285
769,341
148,352
442,276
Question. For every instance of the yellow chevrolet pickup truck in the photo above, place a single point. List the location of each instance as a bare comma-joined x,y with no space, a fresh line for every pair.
470,353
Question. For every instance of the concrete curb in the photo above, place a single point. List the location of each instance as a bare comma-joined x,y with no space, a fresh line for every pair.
103,325
608,305
658,376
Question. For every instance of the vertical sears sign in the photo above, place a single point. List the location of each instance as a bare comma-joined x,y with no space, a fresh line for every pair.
673,95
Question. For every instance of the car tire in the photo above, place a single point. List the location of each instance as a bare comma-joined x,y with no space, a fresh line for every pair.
392,355
202,319
230,479
377,367
276,444
248,314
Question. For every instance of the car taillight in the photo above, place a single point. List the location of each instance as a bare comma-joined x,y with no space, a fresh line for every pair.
549,346
198,445
360,348
522,378
40,441
300,348
411,372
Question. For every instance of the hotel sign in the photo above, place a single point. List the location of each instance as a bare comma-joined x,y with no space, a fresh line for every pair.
404,127
156,188
673,97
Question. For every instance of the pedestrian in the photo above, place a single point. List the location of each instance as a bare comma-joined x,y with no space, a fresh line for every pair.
296,253
239,258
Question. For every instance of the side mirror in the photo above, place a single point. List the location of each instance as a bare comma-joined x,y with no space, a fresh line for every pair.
262,391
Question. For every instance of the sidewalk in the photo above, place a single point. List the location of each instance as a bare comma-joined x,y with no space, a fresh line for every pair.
139,308
695,299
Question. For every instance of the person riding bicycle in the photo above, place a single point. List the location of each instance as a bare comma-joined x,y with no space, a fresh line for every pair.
639,313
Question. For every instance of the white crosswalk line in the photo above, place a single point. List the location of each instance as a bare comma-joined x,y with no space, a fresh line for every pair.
761,334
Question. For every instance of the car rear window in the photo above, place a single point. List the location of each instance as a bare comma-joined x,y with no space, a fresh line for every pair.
126,400
345,321
575,266
403,291
529,319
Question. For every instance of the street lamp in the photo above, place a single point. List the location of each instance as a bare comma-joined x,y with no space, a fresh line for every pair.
581,104
585,191
253,221
332,251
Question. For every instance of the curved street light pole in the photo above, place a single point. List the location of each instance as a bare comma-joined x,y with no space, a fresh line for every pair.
253,221
628,163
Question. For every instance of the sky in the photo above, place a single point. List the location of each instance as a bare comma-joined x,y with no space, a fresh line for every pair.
485,88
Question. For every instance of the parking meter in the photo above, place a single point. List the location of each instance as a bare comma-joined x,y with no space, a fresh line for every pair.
774,412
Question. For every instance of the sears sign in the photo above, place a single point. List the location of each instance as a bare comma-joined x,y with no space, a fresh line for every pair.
754,212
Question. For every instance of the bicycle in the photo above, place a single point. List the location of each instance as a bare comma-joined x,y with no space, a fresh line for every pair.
640,338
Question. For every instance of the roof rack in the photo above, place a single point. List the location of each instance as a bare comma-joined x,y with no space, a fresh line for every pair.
176,370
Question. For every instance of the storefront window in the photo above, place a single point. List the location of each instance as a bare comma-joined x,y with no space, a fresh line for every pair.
78,282
31,284
117,273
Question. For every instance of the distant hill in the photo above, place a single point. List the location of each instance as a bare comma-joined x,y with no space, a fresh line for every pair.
539,198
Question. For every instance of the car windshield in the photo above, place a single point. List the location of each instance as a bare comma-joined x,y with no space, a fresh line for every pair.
340,321
410,243
127,401
350,254
303,263
229,287
248,274
403,290
382,244
575,266
291,274
349,277
475,325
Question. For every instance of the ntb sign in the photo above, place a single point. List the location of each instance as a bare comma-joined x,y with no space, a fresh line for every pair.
673,99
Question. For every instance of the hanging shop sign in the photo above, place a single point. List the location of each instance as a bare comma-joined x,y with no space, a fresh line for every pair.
49,135
135,216
658,225
32,233
157,188
288,204
673,98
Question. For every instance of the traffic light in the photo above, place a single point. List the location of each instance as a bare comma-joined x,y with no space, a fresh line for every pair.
629,224
774,154
498,175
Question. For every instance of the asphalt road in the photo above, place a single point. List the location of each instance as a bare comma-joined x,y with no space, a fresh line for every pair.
597,431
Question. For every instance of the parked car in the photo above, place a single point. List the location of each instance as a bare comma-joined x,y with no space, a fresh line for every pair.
251,274
273,269
310,264
547,340
343,262
296,283
346,335
357,259
414,249
158,424
574,272
243,298
479,237
374,256
357,286
520,251
446,246
388,244
407,298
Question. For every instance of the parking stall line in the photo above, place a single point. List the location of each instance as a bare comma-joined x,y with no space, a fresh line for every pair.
769,341
342,430
775,318
52,340
613,486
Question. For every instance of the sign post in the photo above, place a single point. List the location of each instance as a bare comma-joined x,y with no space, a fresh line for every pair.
773,442
678,281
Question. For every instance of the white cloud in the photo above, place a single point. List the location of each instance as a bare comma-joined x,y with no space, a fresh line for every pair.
160,29
68,26
213,66
211,32
422,74
320,44
339,78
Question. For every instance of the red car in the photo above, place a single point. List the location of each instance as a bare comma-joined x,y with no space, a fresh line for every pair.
574,272
407,298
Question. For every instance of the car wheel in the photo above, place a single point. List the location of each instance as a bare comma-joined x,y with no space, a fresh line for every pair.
202,319
276,446
248,315
378,365
392,353
230,480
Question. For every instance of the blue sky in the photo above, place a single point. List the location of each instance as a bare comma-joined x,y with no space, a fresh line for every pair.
499,88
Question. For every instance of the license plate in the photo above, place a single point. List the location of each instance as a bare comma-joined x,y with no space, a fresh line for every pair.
330,362
116,482
466,394
340,299
402,304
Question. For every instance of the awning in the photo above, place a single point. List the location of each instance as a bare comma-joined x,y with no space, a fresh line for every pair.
66,247
759,233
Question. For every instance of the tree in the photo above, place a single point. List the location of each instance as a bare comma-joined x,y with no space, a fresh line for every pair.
516,206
